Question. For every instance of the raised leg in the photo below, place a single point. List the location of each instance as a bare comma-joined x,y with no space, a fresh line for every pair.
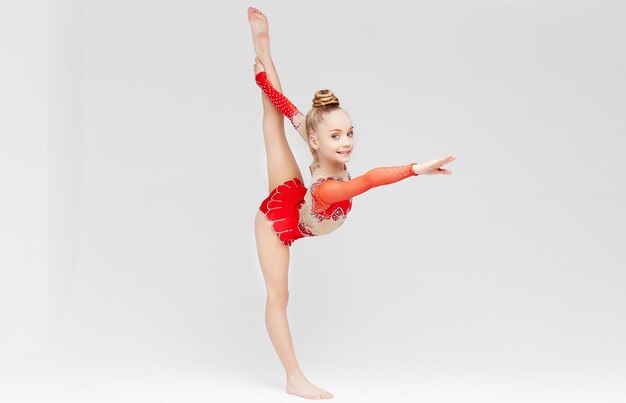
281,163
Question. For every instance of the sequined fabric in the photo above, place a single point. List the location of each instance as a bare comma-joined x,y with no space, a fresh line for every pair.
281,208
319,217
281,102
333,191
297,212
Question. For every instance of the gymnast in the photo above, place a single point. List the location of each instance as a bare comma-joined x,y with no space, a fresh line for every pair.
291,211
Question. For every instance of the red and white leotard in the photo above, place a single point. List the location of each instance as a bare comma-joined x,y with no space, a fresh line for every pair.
329,198
326,203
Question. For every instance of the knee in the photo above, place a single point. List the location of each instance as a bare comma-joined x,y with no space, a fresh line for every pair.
279,297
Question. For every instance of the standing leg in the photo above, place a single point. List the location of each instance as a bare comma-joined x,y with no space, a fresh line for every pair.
274,261
281,164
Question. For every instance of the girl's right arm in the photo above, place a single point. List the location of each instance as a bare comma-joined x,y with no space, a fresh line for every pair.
283,104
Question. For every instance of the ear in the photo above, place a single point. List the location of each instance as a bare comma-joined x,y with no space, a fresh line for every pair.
313,141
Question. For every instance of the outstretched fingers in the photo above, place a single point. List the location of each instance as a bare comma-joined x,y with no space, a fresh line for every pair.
446,159
441,161
434,167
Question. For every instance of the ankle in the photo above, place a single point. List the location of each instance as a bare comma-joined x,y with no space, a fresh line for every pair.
296,374
264,55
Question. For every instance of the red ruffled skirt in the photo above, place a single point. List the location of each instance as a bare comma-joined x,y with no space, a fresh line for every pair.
281,208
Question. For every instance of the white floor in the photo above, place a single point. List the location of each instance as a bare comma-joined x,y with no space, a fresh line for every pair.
54,377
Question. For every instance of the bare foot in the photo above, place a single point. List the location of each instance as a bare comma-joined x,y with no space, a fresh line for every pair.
300,386
260,31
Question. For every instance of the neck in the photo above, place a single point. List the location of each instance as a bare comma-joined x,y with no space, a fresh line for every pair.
332,167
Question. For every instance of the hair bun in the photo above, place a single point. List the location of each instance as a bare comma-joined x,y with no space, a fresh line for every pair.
325,97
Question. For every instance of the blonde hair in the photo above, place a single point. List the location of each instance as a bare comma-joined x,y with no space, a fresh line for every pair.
324,102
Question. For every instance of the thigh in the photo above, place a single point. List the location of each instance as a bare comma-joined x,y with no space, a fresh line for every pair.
281,163
273,256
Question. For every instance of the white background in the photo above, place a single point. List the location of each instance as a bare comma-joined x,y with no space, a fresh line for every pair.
132,164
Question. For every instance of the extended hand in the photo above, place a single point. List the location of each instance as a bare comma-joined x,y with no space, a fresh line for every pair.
434,167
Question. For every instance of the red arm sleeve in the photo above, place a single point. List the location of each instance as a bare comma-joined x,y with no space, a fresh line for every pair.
333,191
280,101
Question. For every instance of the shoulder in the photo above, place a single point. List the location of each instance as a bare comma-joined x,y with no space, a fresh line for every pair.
324,187
317,182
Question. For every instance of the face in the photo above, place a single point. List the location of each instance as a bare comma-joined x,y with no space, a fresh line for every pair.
333,139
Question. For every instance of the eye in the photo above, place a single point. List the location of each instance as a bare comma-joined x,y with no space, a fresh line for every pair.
336,136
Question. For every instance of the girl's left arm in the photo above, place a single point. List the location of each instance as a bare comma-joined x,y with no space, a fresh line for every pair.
333,191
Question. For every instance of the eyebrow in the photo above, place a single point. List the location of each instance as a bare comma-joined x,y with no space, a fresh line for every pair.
338,130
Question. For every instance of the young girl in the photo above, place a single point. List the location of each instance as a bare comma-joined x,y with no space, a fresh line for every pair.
291,211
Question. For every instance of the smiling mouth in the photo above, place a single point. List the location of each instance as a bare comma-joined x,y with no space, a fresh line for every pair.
344,153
